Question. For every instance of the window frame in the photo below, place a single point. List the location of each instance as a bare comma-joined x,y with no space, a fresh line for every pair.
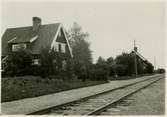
35,61
15,47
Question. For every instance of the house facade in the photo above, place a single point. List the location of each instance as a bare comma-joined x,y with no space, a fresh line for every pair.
35,38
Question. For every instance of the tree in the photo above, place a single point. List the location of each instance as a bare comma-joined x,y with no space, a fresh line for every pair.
79,43
125,62
161,70
81,50
101,61
110,62
100,69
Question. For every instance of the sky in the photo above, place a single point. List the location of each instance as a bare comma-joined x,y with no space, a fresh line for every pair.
112,26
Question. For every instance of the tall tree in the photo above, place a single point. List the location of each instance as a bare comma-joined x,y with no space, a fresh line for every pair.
124,64
110,60
81,50
111,65
101,61
79,43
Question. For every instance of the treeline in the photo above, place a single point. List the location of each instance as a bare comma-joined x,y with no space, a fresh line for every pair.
124,65
80,66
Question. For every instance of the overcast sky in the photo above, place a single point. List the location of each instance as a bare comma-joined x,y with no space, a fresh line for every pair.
112,25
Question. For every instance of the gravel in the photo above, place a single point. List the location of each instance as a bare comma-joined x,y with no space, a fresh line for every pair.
149,101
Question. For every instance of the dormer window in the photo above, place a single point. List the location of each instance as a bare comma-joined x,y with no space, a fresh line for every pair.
16,47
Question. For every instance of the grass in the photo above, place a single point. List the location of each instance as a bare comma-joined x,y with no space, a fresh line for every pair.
15,88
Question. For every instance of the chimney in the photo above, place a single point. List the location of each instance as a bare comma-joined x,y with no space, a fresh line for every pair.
36,23
135,49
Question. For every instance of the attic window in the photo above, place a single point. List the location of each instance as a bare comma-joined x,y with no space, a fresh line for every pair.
63,48
16,47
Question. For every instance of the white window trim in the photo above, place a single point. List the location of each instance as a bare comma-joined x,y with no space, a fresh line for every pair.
33,39
35,62
63,47
12,39
15,47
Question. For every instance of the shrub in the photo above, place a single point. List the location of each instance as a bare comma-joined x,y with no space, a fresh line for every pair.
120,70
19,63
161,70
99,73
111,71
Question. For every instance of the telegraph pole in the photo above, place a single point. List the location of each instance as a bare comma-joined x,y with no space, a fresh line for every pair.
154,63
135,50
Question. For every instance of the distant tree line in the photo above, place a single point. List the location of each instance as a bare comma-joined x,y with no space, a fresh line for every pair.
80,66
124,65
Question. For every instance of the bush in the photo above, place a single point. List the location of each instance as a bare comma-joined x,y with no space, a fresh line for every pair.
99,73
111,71
120,70
36,70
19,63
161,70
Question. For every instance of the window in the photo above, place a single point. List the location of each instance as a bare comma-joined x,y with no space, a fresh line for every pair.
63,48
60,47
16,47
35,61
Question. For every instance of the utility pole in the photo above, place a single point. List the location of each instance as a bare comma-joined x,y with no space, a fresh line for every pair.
135,50
154,63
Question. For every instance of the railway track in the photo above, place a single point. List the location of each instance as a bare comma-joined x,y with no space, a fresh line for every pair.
95,105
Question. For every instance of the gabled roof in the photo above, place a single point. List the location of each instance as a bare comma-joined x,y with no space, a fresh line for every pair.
41,38
141,57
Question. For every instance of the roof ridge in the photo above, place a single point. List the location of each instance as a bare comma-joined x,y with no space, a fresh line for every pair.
19,27
32,26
